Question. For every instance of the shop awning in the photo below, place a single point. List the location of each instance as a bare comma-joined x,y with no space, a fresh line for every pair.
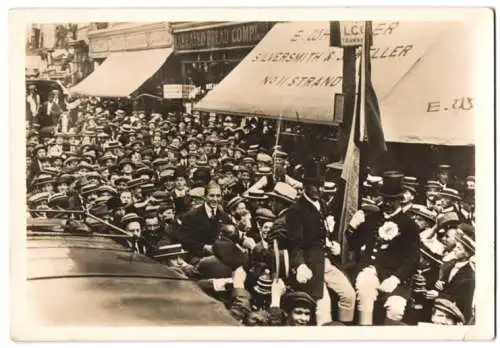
294,73
122,73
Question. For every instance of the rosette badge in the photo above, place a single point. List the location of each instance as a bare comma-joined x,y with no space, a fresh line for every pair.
388,231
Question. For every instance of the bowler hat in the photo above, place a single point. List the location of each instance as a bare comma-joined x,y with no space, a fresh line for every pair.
264,214
392,186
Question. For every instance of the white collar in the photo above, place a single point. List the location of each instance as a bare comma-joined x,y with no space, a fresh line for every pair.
314,203
460,264
209,210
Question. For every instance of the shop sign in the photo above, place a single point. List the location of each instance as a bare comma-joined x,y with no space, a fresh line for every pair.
227,36
177,91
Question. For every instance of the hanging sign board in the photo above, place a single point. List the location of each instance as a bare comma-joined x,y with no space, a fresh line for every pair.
352,33
177,91
347,33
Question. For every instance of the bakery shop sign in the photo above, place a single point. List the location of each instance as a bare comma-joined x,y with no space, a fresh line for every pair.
228,36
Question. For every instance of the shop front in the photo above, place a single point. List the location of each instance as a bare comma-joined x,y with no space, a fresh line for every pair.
422,82
135,61
209,51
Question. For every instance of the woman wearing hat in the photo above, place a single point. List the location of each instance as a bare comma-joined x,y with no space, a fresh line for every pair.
389,245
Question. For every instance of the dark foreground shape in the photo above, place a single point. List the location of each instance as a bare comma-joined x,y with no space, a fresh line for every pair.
89,280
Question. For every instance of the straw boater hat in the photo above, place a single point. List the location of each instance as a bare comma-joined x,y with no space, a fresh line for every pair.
443,168
432,186
233,202
58,201
88,189
130,217
197,192
410,183
169,250
264,171
284,192
450,194
369,205
328,187
38,198
467,241
264,282
43,179
423,212
255,195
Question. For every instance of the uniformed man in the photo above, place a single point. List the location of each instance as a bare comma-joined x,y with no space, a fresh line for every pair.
389,244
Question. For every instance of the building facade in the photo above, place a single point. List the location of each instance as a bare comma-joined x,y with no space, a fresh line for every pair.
208,51
57,51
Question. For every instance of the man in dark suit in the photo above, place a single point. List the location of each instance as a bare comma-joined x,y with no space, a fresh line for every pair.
389,244
457,278
200,227
51,109
306,241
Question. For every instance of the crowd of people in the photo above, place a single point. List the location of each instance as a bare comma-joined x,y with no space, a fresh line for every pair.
219,202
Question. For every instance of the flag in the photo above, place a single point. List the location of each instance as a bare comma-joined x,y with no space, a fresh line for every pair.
369,118
366,125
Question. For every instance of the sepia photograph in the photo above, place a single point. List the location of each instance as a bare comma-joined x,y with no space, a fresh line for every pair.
225,172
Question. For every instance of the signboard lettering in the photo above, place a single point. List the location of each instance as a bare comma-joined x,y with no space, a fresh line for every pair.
177,91
302,81
460,103
352,33
234,35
